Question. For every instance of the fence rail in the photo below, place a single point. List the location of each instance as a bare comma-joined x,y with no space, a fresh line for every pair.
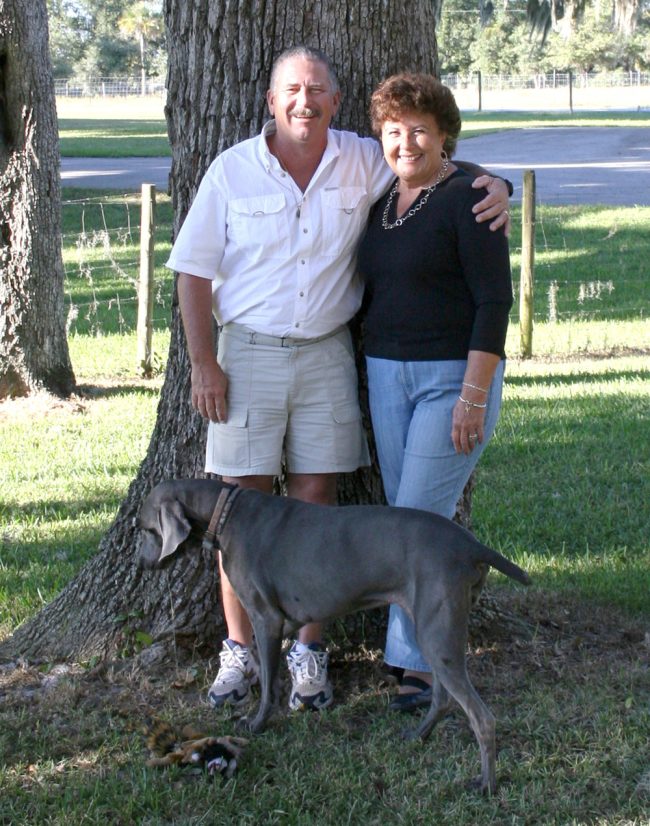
461,84
110,87
550,80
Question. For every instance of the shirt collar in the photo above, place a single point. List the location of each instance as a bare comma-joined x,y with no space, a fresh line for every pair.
332,150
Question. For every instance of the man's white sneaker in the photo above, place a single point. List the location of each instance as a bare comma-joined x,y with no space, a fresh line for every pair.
310,688
237,673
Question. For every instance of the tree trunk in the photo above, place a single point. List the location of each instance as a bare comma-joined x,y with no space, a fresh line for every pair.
33,345
626,13
220,58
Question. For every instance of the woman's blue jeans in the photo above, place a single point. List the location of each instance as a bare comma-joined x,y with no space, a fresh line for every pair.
411,405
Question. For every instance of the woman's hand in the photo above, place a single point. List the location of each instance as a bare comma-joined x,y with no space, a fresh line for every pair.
468,417
495,204
467,427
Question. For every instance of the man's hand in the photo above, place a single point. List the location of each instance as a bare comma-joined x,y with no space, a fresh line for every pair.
209,389
209,382
495,204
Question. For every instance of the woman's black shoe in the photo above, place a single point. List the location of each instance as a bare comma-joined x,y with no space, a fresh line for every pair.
411,702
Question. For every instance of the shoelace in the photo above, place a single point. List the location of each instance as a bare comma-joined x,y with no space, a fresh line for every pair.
232,663
309,665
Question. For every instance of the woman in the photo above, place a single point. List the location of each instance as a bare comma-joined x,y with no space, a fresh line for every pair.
438,294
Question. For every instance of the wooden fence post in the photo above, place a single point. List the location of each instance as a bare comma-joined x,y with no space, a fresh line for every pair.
145,286
527,264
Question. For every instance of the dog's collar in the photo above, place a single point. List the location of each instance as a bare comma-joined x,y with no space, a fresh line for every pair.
220,514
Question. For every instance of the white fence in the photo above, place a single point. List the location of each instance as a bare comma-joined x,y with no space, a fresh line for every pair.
550,80
110,87
535,92
552,91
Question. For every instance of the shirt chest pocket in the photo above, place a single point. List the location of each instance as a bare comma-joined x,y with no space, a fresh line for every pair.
345,210
258,225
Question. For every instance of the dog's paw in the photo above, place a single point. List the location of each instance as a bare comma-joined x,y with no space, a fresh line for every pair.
250,725
410,734
485,787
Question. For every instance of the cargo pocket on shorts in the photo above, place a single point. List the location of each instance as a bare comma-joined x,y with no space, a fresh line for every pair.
228,446
350,445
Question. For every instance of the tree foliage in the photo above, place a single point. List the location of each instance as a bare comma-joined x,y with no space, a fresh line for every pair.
537,36
114,37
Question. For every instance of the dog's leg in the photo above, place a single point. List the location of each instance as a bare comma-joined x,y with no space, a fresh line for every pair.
268,636
443,645
441,703
483,725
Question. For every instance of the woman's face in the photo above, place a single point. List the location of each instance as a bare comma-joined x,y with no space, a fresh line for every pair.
413,147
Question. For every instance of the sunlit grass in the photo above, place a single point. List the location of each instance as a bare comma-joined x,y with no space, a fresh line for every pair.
477,123
590,263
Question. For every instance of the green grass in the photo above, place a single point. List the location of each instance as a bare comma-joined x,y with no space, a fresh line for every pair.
567,475
65,469
573,731
477,123
101,255
590,263
113,138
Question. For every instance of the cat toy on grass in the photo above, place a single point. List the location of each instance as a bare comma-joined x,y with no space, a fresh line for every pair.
217,755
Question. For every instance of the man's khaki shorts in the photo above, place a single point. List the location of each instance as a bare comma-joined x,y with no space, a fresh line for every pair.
287,396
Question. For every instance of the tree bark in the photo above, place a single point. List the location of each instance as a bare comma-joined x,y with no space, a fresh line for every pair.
220,57
33,344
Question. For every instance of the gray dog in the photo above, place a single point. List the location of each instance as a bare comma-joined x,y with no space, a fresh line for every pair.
292,563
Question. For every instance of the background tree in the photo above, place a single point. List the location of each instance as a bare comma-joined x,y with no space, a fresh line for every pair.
498,49
144,23
68,36
563,15
220,56
88,37
458,29
33,344
592,44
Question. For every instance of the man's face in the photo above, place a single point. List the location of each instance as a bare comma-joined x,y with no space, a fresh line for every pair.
302,101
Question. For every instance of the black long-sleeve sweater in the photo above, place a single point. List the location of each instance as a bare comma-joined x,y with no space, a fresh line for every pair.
438,285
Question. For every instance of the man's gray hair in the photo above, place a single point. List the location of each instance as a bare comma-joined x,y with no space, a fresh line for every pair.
308,53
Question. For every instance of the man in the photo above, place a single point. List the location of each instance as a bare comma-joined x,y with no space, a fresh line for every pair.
268,246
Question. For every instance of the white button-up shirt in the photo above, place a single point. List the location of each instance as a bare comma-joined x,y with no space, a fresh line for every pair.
282,261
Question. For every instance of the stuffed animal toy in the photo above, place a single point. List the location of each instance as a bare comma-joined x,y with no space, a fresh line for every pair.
217,755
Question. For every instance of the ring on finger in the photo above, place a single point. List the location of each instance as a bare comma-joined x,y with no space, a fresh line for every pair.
473,437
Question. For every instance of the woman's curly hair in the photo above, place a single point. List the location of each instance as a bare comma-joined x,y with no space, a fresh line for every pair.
409,92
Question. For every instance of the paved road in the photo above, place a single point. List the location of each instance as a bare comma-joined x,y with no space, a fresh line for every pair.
126,174
608,165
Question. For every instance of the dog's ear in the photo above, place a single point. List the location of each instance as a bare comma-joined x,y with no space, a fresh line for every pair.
174,527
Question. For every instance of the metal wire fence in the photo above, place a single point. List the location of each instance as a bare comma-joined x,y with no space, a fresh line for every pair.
551,90
587,271
110,87
549,80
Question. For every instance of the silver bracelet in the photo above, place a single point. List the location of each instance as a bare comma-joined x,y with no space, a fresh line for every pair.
469,405
474,387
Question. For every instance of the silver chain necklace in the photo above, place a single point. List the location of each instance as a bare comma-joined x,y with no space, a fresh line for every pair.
420,203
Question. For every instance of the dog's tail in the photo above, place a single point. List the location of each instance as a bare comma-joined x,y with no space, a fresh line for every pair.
498,561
